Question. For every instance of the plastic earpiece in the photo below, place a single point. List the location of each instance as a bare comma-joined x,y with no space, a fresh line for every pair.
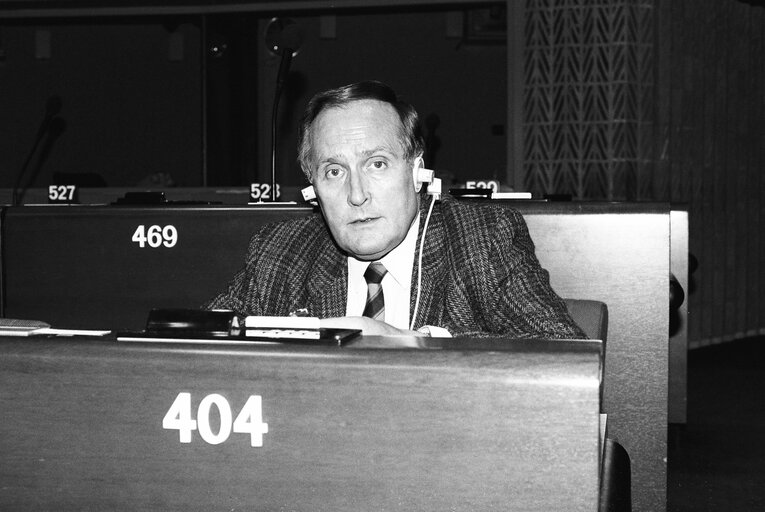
420,175
309,194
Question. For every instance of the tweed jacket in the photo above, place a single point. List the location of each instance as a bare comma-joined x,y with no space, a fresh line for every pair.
480,276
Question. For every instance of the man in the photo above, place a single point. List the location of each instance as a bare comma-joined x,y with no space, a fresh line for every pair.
447,269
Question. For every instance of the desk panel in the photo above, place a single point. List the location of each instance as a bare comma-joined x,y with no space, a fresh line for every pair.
622,260
85,267
616,253
507,426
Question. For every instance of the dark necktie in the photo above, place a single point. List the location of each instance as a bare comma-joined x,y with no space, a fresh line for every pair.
375,307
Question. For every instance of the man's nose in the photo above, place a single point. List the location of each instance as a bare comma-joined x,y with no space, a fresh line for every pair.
358,192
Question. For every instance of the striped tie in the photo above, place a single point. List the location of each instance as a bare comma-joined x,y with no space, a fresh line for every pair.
375,307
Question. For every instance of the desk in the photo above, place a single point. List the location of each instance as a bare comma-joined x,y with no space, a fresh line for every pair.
83,270
453,425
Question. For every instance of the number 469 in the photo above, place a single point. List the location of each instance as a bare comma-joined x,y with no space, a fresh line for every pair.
155,236
248,421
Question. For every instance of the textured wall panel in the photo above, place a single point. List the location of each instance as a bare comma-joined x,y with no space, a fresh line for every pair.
588,99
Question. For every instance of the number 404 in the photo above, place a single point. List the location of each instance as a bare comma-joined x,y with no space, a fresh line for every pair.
248,421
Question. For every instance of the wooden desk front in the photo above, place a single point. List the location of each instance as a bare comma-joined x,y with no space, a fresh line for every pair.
512,425
82,269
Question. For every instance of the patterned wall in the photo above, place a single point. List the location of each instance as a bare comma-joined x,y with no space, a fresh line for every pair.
588,98
654,100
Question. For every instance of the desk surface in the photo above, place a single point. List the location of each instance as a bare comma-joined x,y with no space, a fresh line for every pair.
471,426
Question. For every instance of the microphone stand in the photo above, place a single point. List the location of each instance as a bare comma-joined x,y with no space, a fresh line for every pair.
281,77
18,192
52,108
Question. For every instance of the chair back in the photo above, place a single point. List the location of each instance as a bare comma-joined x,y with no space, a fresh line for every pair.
591,316
616,478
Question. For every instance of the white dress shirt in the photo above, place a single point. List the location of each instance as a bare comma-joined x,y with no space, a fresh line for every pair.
396,284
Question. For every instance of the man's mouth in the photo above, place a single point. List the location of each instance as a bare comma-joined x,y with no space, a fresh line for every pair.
364,220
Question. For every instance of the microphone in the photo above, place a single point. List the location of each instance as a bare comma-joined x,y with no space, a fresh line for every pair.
56,127
281,77
55,130
283,37
52,108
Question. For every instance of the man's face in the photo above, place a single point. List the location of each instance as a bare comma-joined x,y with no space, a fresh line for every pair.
362,180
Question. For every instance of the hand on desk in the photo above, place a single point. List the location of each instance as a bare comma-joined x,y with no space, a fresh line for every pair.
368,326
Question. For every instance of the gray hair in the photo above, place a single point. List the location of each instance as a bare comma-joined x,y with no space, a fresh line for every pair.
411,135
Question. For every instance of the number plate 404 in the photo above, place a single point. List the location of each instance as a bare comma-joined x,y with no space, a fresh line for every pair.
248,421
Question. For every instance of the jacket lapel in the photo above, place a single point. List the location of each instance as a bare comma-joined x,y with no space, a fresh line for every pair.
327,289
432,288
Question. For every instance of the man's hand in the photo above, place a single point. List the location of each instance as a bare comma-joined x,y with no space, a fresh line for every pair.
368,326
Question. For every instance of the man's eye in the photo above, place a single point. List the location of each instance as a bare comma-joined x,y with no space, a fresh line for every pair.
332,172
378,164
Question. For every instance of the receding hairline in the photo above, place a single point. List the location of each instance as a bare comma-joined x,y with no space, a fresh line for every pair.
309,134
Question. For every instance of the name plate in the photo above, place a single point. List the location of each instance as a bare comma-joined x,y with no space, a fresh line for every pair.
263,192
490,184
63,194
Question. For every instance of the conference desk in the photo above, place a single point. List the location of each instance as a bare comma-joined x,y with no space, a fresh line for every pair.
106,266
376,424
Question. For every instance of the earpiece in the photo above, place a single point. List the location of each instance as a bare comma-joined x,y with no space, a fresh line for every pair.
309,194
420,175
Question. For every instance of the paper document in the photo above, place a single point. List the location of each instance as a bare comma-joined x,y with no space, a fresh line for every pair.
282,322
49,331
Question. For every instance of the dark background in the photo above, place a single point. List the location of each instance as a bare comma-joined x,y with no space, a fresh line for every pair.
190,95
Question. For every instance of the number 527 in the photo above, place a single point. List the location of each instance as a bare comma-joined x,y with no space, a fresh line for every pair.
61,192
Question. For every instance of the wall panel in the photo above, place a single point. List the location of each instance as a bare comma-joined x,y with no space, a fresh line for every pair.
713,78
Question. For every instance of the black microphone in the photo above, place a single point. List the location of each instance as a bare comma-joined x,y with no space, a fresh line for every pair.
283,37
284,69
52,108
